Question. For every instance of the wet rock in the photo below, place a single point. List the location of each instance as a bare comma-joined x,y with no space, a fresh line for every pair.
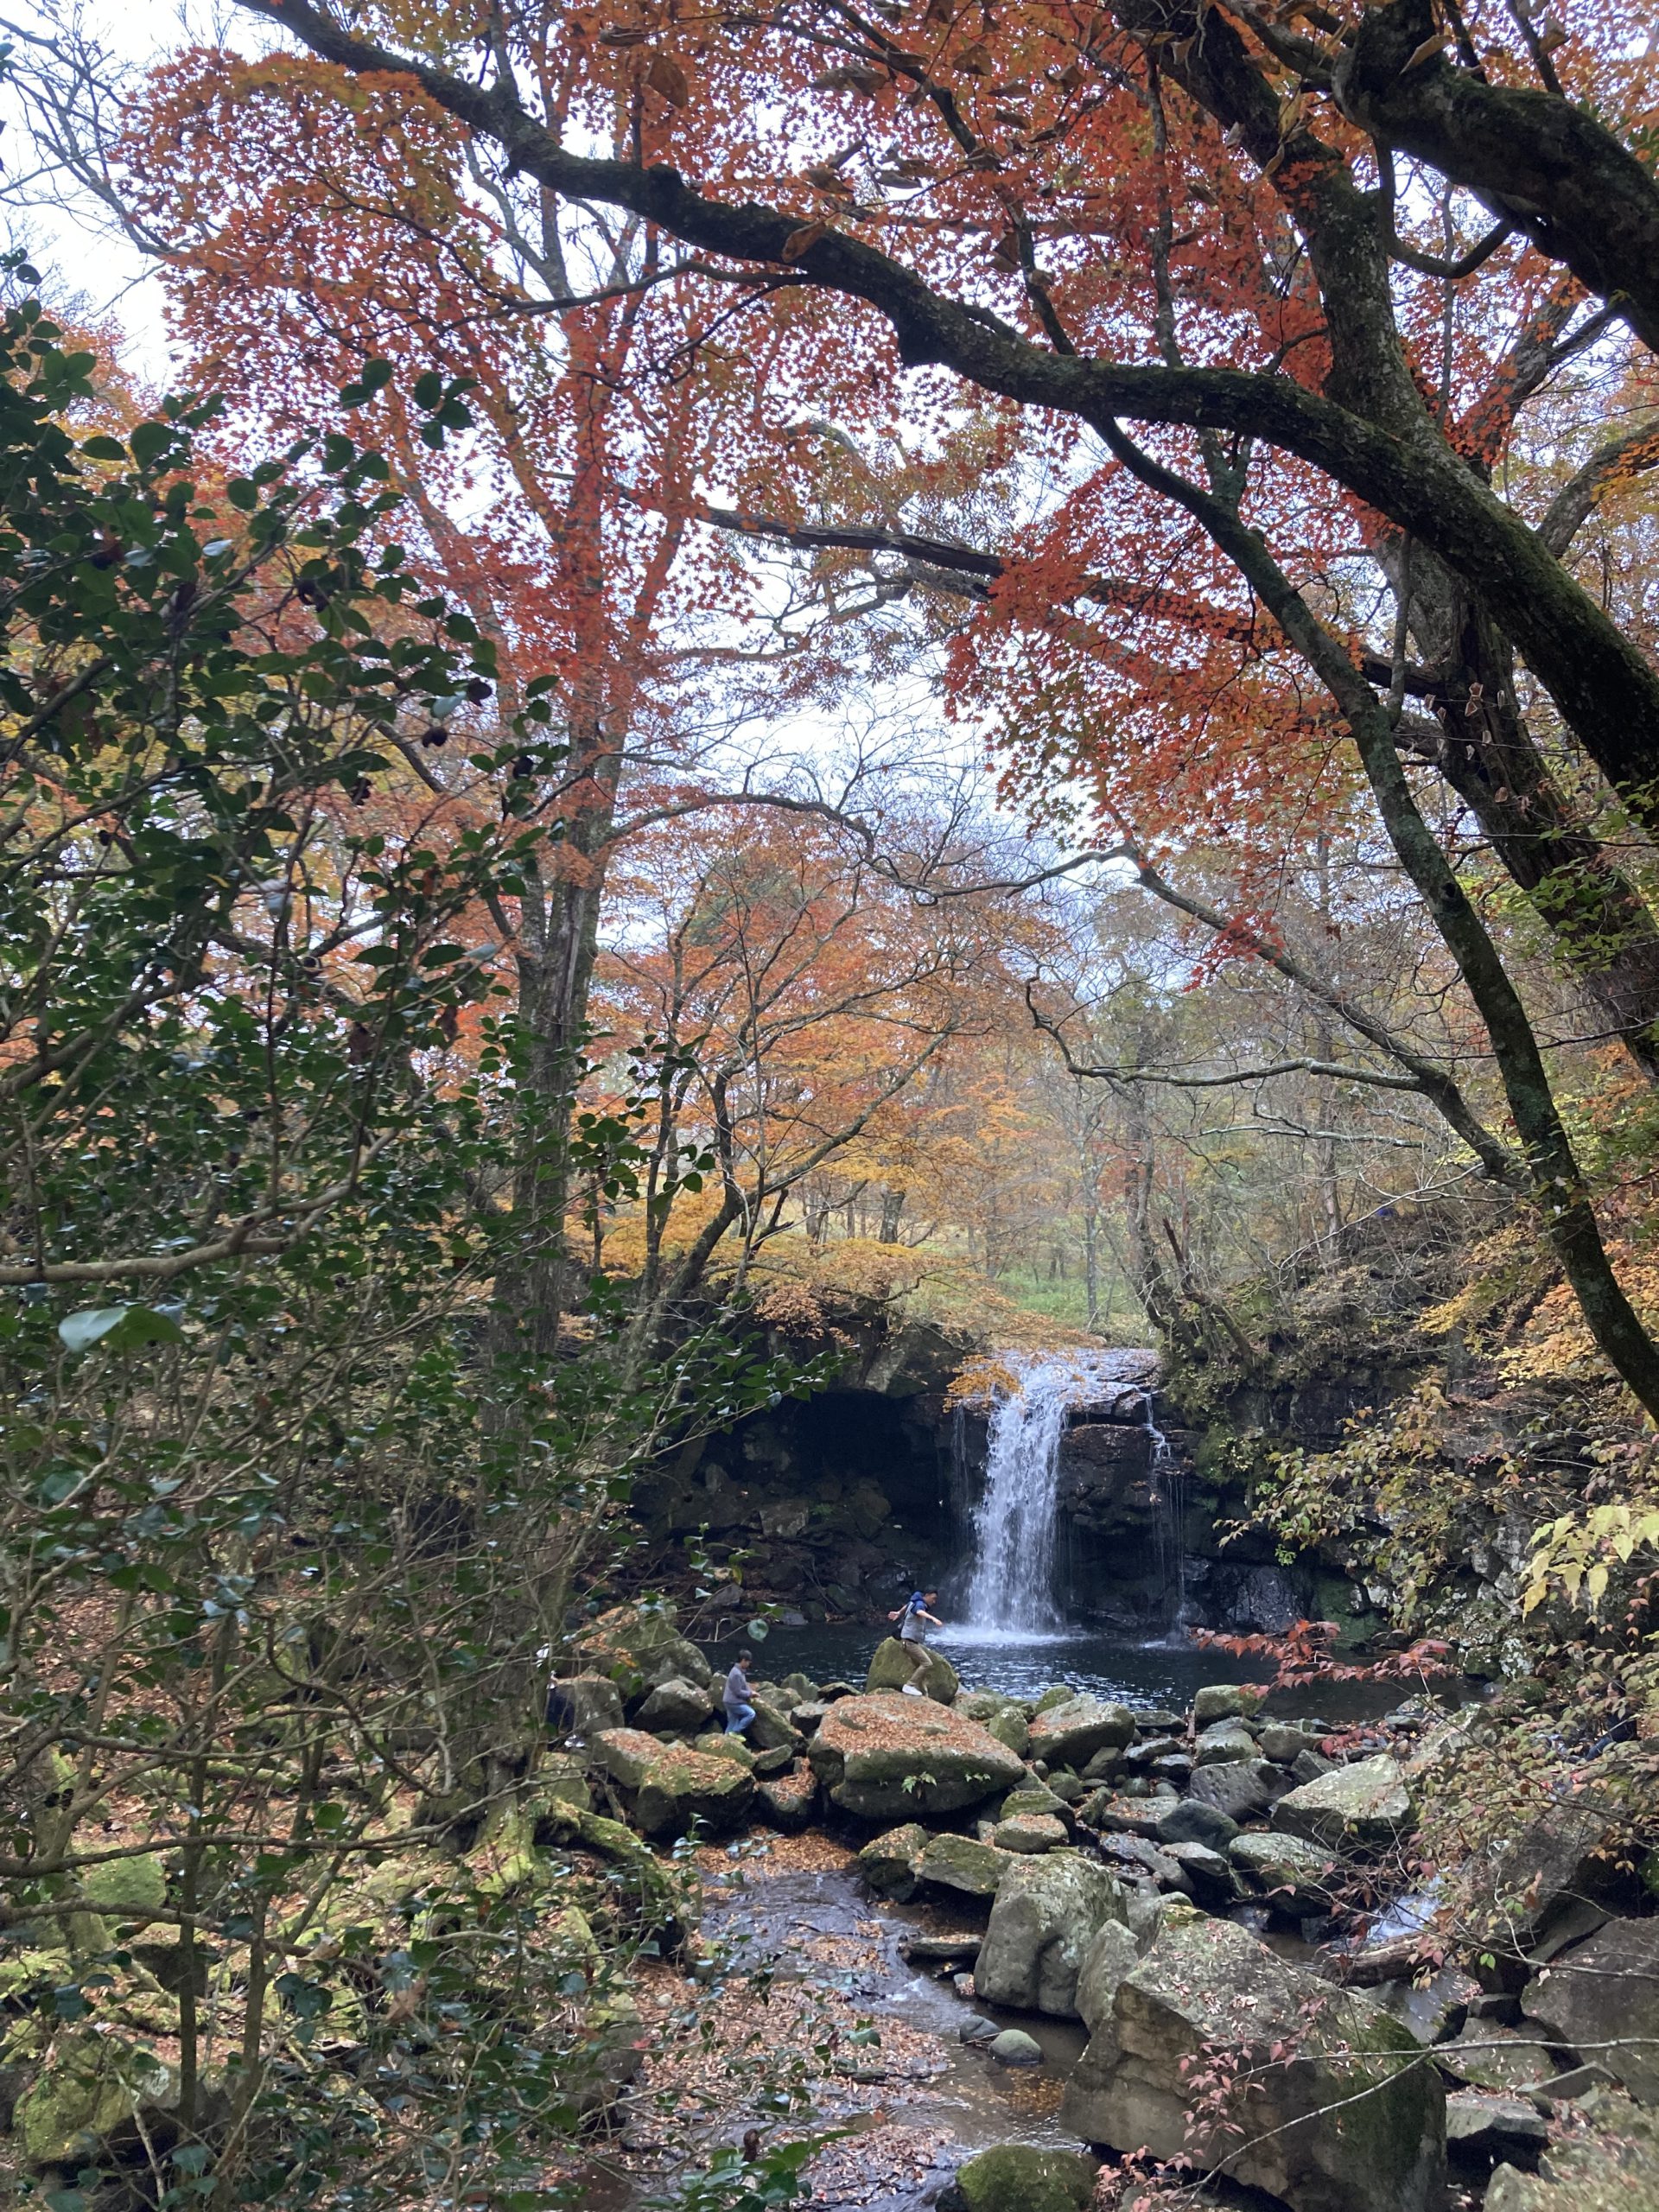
1227,1739
1159,1723
894,1662
1348,2120
1224,1701
1070,1733
1190,1820
683,1786
957,1862
675,1708
1483,2131
883,1757
789,1801
1030,1832
1243,1788
1138,1758
977,2029
1048,1911
1020,2178
1363,1806
1602,1999
1173,1771
1293,1876
581,1705
1111,1957
889,1863
1013,2047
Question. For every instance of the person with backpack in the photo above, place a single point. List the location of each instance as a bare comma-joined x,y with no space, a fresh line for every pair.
915,1620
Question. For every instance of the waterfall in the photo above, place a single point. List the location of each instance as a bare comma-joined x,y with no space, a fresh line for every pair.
1167,1487
1015,1524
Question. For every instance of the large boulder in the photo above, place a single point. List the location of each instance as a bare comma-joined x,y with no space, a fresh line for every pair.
639,1646
893,1663
1005,1718
957,1862
1020,2178
1069,1734
1047,1914
1224,1701
1111,1959
675,1708
97,2095
1577,1854
1602,1999
682,1787
1293,1876
882,1757
770,1731
626,1754
1333,2106
889,1863
1243,1788
1365,1807
581,1705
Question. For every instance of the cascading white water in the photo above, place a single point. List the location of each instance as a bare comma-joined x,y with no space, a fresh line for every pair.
1012,1591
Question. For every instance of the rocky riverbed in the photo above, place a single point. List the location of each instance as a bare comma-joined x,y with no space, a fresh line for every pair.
1169,1941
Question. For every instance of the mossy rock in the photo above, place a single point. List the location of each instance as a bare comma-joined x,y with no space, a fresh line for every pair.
1020,2178
128,1889
889,1863
883,1757
684,1787
893,1663
92,2090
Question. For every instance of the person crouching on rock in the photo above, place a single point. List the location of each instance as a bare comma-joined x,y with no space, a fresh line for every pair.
913,1631
739,1696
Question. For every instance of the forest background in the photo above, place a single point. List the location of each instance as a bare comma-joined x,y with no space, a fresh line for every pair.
504,889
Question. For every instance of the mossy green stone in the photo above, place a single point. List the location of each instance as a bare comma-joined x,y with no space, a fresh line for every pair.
1018,2177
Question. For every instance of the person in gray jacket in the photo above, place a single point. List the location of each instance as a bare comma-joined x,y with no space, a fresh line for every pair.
739,1699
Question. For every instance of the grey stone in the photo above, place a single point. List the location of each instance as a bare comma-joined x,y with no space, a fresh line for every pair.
889,1863
770,1731
1117,1815
1293,1876
1489,2055
592,1702
1070,1733
1192,1821
1363,1806
1047,1913
1309,1766
1035,1797
1226,1740
1243,1788
675,1708
977,2029
1350,2119
1209,1873
1013,2047
1602,1999
1030,1834
1114,1954
956,1862
1488,2129
1103,1766
1286,1742
683,1787
1572,1854
1224,1701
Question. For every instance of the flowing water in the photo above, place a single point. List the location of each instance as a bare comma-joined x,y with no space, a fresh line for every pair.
1011,1596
